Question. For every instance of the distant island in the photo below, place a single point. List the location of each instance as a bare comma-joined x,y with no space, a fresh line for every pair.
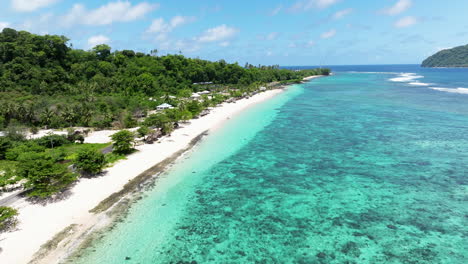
455,57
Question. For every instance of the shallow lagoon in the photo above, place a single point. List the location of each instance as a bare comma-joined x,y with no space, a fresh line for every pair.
351,168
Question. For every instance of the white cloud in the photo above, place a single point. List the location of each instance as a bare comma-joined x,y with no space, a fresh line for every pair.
4,25
162,29
224,44
96,40
120,11
182,45
181,20
271,36
305,5
342,13
399,7
218,33
160,26
30,5
276,11
406,22
328,34
310,44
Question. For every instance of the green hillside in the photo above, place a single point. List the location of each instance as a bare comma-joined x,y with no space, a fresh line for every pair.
455,57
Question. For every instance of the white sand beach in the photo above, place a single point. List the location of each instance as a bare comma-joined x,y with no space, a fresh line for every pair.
311,77
38,223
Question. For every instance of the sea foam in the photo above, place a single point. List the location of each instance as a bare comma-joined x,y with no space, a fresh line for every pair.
406,77
419,84
459,90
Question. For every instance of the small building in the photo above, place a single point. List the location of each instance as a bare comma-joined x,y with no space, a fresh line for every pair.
263,88
204,92
164,106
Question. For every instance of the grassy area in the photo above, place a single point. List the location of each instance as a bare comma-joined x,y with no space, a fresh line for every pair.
112,158
7,178
72,150
6,165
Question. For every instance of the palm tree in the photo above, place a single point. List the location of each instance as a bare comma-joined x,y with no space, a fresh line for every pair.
46,117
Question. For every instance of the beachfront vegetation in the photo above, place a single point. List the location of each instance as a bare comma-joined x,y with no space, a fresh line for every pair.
7,218
44,174
123,142
44,83
90,161
42,166
454,57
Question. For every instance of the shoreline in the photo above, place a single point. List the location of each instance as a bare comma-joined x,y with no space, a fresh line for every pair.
308,78
59,227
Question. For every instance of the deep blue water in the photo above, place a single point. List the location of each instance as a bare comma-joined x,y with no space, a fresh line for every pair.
366,166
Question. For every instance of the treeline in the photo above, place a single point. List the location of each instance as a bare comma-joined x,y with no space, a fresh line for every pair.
44,82
454,57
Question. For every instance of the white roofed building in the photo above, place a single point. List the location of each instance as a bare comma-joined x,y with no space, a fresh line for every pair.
164,106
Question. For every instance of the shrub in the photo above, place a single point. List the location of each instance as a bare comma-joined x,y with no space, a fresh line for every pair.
23,148
157,120
123,141
90,161
34,130
43,175
5,145
52,141
7,218
143,131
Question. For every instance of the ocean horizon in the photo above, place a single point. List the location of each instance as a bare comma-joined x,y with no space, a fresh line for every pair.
365,166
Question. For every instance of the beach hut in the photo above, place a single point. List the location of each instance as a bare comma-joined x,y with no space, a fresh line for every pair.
164,106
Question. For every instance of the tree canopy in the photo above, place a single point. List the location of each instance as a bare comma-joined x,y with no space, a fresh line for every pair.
44,82
455,57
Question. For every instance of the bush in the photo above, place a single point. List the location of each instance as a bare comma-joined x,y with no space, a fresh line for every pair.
23,148
15,133
43,174
143,131
90,161
34,130
52,141
123,141
157,120
5,145
7,218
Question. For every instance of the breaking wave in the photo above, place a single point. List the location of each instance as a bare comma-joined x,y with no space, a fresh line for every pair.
459,90
406,77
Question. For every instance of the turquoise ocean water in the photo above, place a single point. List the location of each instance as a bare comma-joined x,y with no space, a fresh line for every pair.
366,166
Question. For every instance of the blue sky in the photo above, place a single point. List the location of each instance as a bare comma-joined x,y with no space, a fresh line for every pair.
297,32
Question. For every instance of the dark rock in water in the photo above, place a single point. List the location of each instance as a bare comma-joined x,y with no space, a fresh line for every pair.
357,234
128,258
240,252
351,248
354,225
391,226
321,255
